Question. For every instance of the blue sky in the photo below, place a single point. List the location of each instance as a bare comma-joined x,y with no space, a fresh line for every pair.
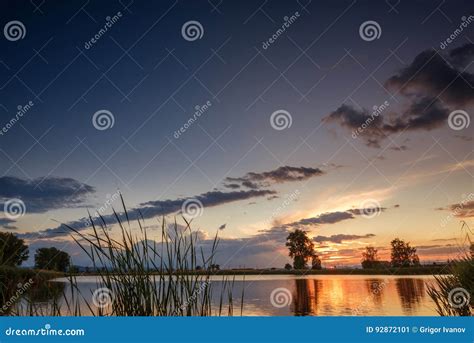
408,162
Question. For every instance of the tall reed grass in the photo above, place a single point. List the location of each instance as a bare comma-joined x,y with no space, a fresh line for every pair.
140,274
453,294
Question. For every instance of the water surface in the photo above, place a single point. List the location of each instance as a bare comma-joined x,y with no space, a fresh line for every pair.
318,295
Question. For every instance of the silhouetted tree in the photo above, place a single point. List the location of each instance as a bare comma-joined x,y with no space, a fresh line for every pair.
214,267
13,250
288,266
315,262
300,247
403,255
370,258
52,259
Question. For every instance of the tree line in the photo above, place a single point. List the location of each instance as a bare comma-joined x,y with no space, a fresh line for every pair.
14,251
302,250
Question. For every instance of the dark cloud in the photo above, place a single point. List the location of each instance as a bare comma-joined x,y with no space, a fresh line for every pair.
423,113
399,148
432,86
232,185
360,122
430,75
464,138
6,223
341,237
368,210
332,217
282,174
44,194
325,218
152,209
462,56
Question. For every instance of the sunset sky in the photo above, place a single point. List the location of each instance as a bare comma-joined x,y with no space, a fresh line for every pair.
257,176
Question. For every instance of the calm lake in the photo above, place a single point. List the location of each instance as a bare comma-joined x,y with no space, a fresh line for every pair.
318,295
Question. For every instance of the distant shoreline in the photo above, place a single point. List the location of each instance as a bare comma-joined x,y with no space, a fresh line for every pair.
428,270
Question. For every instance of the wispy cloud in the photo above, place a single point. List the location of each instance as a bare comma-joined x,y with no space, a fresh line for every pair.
6,223
331,217
460,210
151,209
339,238
254,180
